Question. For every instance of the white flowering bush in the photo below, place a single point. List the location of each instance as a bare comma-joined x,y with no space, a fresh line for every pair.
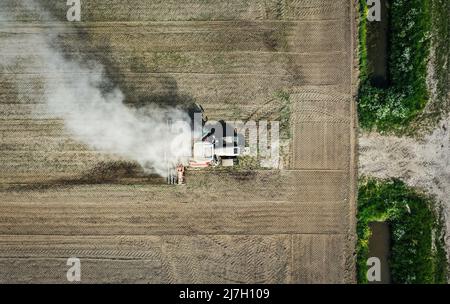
392,108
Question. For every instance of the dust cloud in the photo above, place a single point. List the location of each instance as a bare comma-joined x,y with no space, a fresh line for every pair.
75,92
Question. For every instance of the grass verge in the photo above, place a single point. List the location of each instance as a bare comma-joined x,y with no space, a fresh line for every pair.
439,76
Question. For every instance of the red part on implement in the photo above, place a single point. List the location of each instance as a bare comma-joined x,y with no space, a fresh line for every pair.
195,164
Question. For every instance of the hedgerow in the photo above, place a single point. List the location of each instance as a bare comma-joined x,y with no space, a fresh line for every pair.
392,108
417,231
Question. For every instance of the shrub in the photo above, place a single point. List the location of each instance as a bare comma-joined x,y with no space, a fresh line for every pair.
392,108
417,231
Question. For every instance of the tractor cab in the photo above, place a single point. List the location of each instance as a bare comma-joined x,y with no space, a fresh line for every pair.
203,155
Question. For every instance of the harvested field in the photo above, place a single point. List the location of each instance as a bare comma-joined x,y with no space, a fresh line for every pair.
60,199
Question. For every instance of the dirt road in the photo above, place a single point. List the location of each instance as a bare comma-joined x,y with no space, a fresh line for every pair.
424,163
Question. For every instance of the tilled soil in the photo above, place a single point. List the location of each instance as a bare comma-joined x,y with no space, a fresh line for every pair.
59,199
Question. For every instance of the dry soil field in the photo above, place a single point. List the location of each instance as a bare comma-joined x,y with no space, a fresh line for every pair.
58,199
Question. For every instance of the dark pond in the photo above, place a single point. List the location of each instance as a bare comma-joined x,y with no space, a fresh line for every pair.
377,48
379,246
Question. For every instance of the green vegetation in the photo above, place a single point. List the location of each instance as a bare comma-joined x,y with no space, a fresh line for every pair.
394,107
441,42
439,105
248,162
284,113
363,41
244,164
417,231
